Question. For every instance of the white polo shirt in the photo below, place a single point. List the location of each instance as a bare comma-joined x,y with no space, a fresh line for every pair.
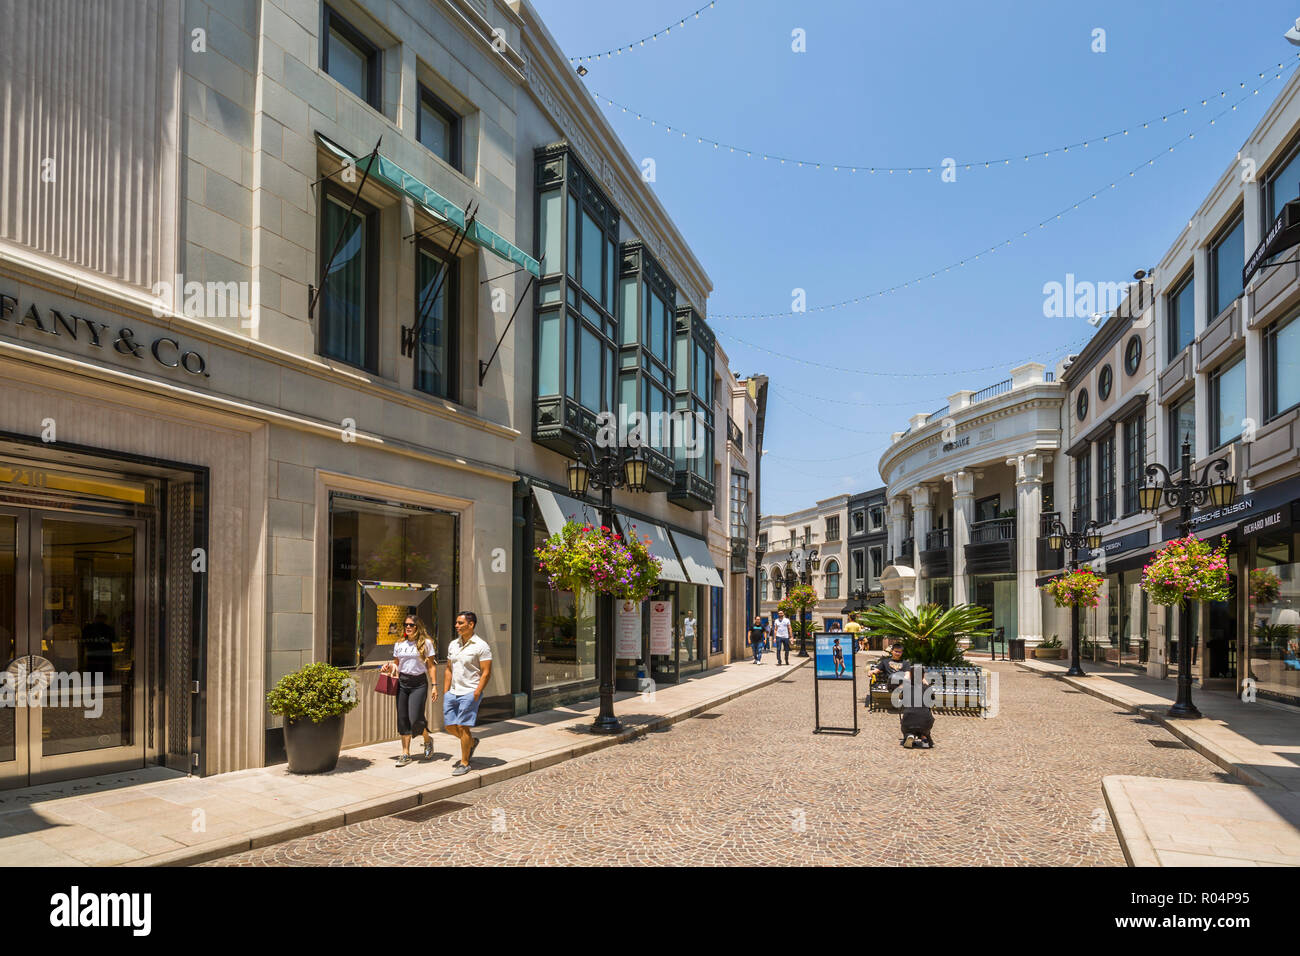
781,627
466,662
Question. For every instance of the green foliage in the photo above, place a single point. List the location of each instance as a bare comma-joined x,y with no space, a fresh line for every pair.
582,557
929,634
1188,569
1051,642
797,601
1080,588
1268,635
317,692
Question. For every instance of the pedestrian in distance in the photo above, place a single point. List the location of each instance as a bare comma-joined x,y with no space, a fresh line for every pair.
414,664
781,636
469,664
757,638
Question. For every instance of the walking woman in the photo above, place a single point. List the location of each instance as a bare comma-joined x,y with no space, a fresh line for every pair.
414,661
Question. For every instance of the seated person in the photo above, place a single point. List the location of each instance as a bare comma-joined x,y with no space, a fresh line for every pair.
891,664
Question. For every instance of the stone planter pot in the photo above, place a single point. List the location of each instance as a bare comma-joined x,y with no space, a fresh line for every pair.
313,748
1049,653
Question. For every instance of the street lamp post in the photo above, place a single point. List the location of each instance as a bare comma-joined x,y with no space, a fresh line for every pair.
618,467
807,561
1076,540
1185,493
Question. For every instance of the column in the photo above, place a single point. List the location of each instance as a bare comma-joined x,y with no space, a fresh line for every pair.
1029,508
897,526
922,518
963,516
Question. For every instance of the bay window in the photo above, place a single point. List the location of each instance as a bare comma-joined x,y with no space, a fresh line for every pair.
693,456
576,331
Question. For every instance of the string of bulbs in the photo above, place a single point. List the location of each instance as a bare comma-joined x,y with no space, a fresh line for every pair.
619,50
1024,234
873,169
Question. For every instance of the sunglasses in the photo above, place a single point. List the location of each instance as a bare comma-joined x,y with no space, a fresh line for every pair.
408,626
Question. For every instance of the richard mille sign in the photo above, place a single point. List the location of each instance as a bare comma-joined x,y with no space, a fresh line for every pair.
123,341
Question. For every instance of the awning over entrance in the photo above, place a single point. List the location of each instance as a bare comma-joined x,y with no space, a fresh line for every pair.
699,563
395,177
661,546
556,509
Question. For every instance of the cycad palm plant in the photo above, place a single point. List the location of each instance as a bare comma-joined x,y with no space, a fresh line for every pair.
929,634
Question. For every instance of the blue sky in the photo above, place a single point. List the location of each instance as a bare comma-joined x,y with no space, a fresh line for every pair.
897,84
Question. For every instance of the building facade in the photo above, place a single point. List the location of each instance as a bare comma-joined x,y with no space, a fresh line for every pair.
307,336
809,547
1109,424
868,549
967,487
1224,348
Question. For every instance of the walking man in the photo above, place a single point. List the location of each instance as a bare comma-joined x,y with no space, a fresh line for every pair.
469,664
781,636
757,635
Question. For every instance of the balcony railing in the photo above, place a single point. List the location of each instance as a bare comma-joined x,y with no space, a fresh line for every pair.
993,530
991,391
940,539
1045,522
735,435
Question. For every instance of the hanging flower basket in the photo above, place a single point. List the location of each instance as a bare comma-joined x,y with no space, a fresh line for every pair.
586,558
1188,569
1080,588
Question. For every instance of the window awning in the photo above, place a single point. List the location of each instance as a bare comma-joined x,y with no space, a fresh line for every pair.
661,546
395,177
698,560
556,509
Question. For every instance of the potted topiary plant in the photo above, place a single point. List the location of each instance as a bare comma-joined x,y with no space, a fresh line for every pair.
312,702
1049,649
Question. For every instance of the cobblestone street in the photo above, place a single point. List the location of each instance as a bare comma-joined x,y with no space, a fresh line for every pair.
748,783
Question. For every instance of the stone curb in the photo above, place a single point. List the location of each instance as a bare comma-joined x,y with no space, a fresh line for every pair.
1133,841
1183,729
408,799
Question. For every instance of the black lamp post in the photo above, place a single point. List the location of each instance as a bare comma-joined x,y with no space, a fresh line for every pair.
1186,493
1077,540
618,467
808,561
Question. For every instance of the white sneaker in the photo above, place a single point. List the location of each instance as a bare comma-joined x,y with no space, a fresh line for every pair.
909,741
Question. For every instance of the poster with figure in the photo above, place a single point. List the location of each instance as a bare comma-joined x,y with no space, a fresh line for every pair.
834,657
628,634
661,627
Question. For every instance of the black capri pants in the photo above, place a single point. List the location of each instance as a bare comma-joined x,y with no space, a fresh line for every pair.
412,695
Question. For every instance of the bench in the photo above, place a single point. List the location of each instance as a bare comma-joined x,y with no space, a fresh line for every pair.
955,689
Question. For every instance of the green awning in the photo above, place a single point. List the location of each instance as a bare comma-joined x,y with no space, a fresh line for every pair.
395,177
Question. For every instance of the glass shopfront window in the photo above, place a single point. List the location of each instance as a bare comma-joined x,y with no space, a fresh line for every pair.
1273,616
998,594
939,591
564,635
372,540
686,650
1126,620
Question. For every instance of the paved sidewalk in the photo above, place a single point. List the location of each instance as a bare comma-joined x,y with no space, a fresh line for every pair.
156,817
1258,742
1192,823
1164,822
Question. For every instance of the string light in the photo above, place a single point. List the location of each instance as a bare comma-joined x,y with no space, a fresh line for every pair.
628,47
946,373
933,273
966,164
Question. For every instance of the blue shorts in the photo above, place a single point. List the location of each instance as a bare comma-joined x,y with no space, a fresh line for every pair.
461,711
